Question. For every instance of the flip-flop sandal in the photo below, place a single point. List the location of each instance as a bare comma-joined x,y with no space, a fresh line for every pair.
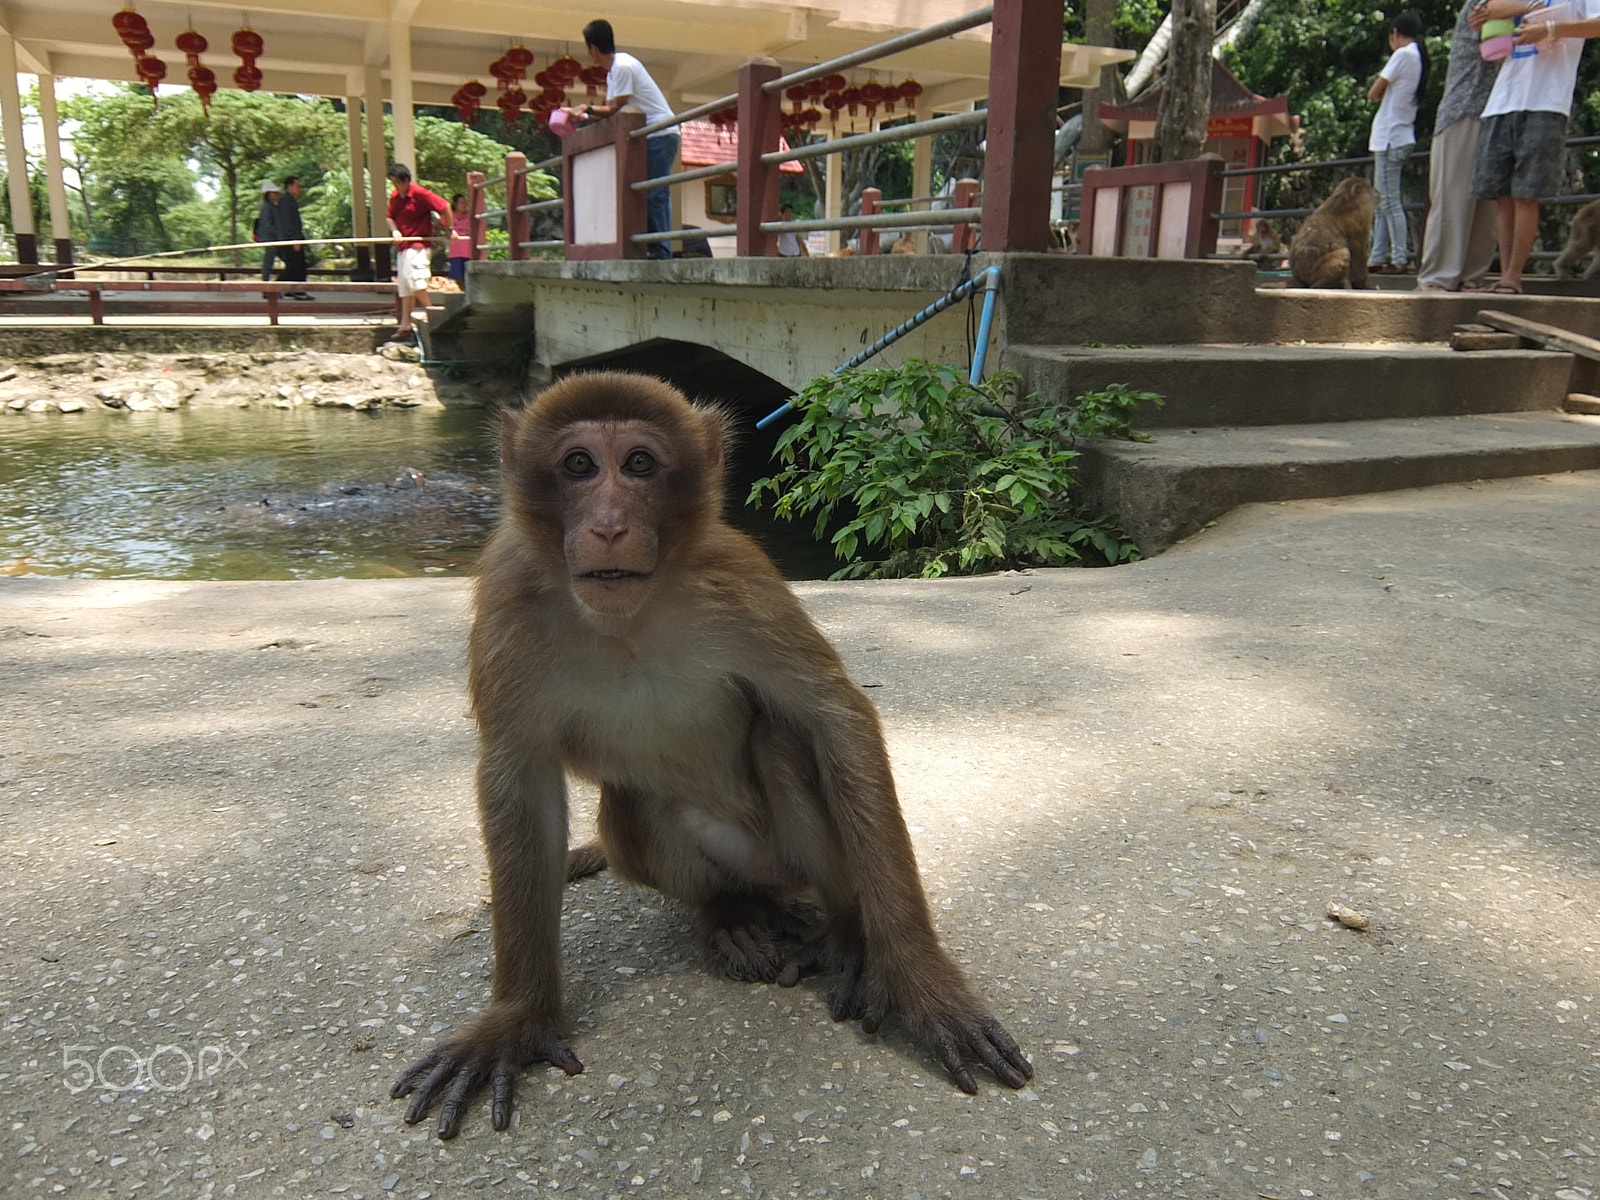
402,335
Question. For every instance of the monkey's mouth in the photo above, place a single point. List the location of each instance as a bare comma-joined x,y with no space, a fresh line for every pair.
612,574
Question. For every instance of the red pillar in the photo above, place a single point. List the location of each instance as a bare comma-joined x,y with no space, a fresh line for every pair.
1024,79
760,127
517,223
476,224
869,206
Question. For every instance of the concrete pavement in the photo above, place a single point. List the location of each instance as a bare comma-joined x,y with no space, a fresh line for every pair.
244,886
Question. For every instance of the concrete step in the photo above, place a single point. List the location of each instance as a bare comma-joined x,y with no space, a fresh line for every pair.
1170,487
479,332
1274,385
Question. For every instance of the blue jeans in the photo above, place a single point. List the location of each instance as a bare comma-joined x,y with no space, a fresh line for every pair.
1391,239
268,257
661,151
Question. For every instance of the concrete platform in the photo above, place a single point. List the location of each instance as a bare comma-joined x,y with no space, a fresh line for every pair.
1276,385
238,826
1168,488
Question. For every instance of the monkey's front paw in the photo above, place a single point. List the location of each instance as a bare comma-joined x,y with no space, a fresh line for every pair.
491,1051
966,1028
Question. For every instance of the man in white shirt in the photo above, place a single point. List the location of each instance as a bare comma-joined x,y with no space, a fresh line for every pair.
1525,122
627,82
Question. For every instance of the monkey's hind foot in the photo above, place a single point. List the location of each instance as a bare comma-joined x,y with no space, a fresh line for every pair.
749,938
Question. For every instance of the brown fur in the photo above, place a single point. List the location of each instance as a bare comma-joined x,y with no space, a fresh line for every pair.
624,633
1265,247
1581,242
1330,250
906,243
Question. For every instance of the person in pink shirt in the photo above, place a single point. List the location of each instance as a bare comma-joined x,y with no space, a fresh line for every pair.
460,239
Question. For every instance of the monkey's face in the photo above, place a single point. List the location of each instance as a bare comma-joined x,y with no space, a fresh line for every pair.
618,485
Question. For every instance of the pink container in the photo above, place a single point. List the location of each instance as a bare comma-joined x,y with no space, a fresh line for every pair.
1495,49
562,124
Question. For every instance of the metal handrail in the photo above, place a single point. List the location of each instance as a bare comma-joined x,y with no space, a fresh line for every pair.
492,214
896,133
938,217
541,205
644,185
673,235
688,114
557,244
906,41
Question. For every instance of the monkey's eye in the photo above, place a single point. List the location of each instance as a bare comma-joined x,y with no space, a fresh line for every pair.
579,462
640,462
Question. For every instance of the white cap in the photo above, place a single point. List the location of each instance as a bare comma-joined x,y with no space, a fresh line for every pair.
268,186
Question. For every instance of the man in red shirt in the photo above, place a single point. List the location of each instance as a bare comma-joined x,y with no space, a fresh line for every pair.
413,210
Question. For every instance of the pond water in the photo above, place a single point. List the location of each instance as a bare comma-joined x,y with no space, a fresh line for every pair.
266,494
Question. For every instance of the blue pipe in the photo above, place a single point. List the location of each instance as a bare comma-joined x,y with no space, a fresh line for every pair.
989,278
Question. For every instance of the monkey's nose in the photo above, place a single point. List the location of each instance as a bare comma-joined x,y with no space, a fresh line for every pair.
609,531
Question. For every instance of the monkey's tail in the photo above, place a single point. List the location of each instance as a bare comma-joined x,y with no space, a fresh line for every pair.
587,859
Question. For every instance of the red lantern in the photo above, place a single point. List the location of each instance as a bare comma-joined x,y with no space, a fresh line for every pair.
474,89
816,89
592,78
833,102
248,78
204,82
139,41
852,97
127,21
566,68
151,72
553,97
247,44
835,82
812,118
797,96
519,58
891,97
510,104
191,45
910,89
872,95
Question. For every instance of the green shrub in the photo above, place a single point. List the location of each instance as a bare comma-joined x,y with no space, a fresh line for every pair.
932,475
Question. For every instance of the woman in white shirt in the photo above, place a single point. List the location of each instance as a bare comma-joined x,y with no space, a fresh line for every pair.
1397,89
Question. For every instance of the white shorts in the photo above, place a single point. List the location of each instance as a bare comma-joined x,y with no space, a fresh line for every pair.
412,272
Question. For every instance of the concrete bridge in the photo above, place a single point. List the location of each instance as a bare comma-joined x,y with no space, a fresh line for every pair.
1270,393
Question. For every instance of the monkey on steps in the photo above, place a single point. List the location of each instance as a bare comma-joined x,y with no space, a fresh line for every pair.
624,632
1330,249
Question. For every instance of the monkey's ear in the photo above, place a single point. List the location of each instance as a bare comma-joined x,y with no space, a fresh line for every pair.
716,423
509,422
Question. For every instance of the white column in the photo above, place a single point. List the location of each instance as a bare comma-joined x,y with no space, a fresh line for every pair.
16,153
377,162
922,167
60,222
361,225
405,140
831,190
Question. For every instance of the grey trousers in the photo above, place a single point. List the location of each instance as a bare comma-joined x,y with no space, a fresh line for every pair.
1460,241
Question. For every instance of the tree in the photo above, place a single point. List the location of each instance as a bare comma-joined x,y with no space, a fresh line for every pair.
1186,100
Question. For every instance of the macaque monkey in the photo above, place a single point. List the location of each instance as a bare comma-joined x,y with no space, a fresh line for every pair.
906,243
1330,249
1581,242
1266,247
625,633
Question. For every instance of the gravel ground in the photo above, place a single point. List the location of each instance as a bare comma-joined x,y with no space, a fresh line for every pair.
244,886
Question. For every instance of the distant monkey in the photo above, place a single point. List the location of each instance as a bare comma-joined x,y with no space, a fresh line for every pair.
906,243
624,632
1265,247
1330,250
1581,242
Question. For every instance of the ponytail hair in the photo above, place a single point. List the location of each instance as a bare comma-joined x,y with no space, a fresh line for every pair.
1409,24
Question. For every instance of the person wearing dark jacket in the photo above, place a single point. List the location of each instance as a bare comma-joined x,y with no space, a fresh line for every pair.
266,228
289,228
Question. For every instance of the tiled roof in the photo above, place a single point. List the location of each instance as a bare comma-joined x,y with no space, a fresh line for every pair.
704,145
